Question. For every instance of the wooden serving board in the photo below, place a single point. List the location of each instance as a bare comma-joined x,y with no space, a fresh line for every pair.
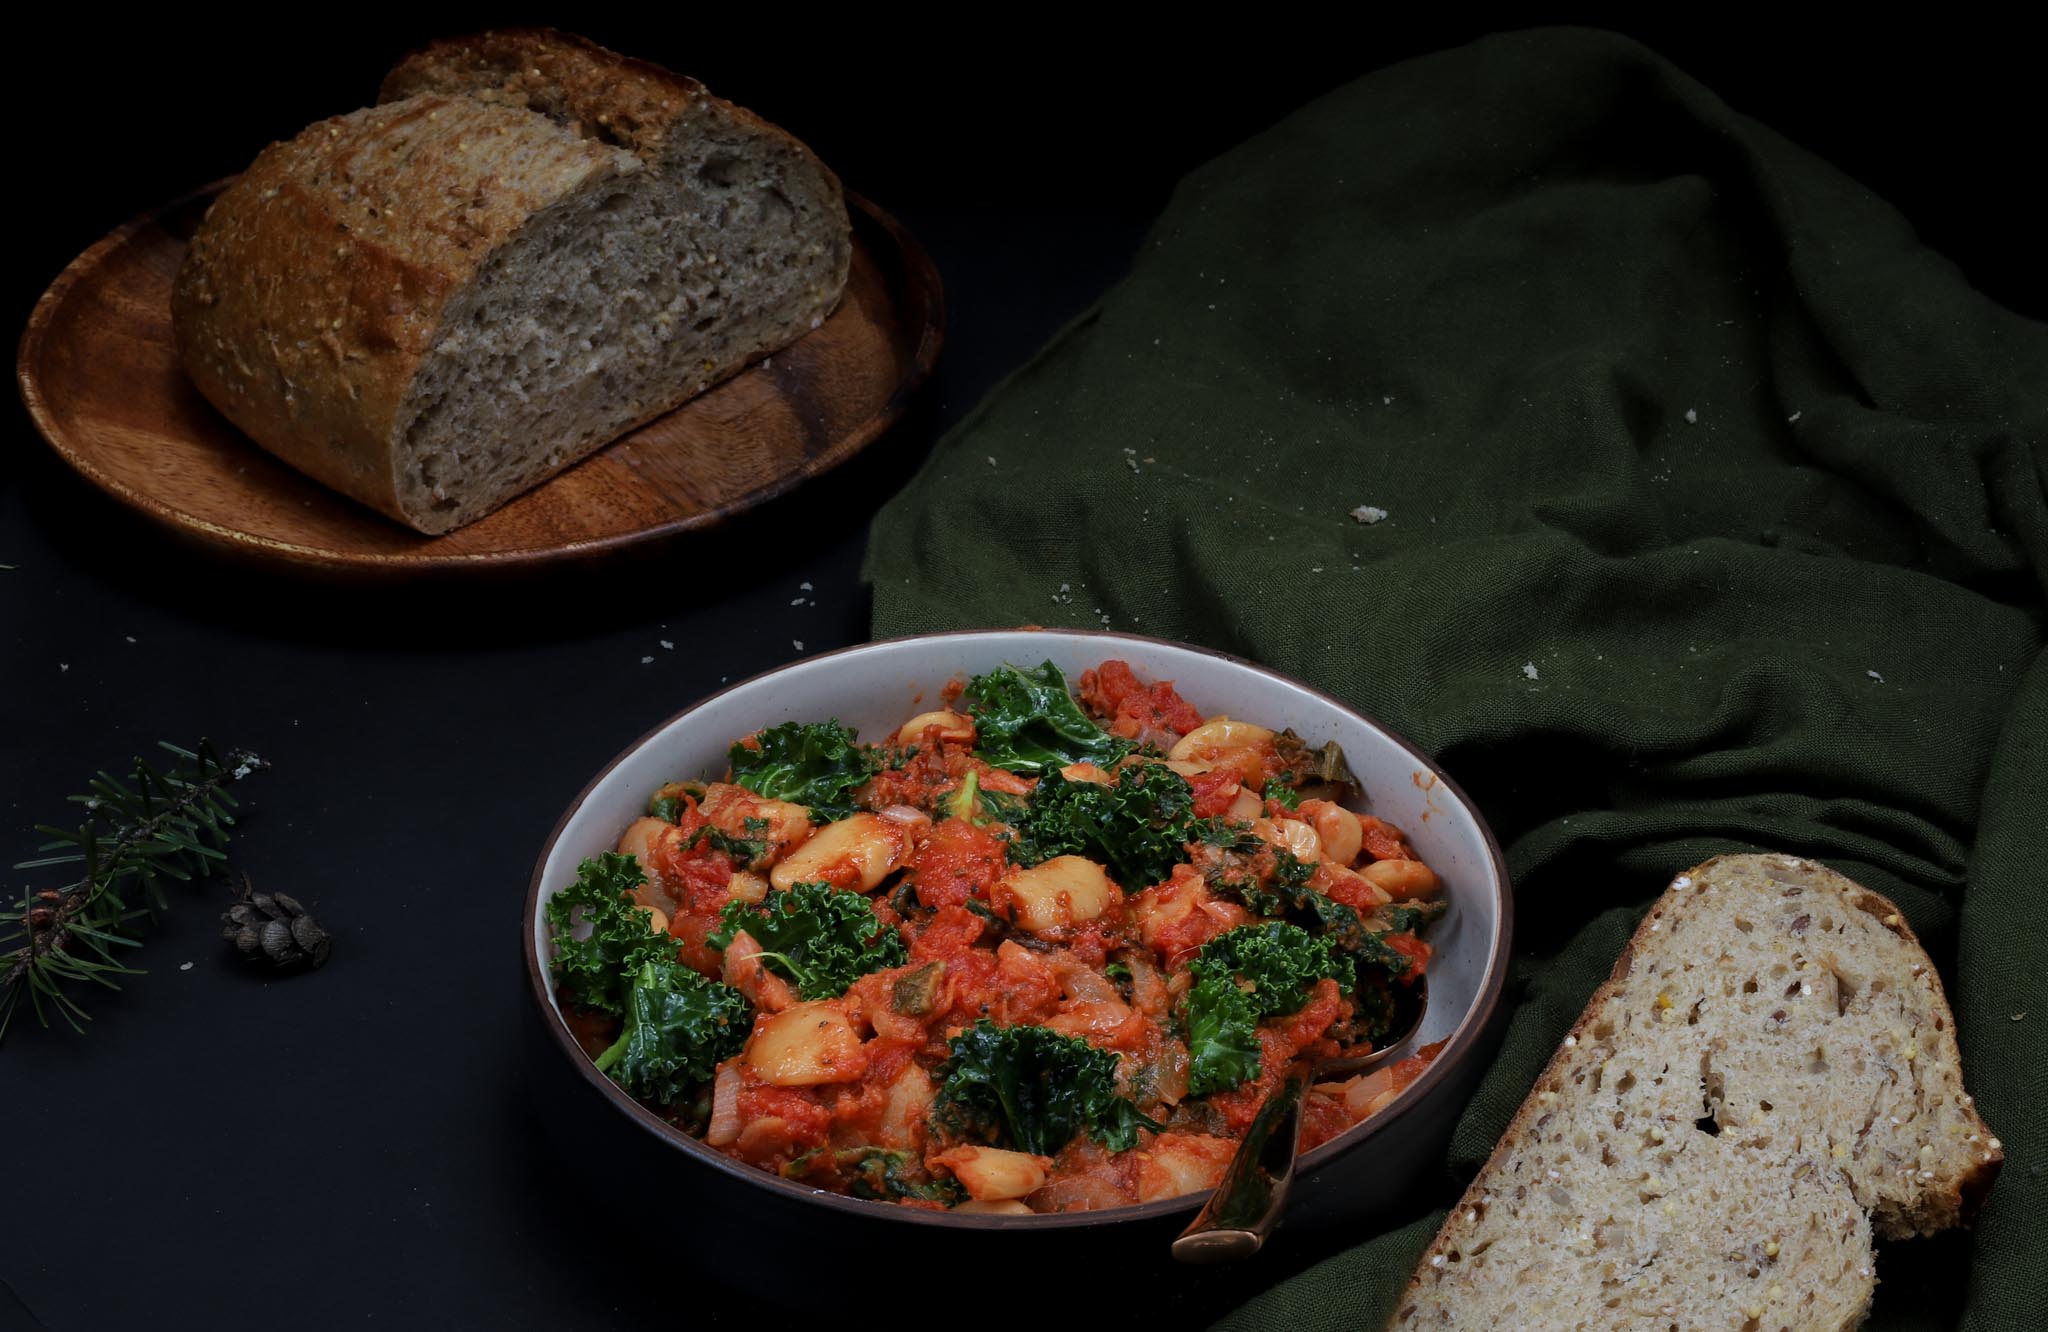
101,379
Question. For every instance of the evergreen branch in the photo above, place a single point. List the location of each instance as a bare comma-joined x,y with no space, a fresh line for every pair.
169,824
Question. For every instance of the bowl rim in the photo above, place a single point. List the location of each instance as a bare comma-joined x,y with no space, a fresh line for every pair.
1464,1039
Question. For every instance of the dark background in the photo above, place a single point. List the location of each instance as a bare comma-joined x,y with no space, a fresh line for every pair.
370,1144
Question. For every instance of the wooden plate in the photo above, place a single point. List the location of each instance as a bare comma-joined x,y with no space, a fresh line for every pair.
101,378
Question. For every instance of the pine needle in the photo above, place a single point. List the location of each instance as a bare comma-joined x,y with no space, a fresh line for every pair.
168,823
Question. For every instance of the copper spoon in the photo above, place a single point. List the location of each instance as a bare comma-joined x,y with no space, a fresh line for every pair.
1246,1205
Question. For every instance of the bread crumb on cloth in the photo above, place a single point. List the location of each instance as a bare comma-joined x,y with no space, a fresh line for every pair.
1368,514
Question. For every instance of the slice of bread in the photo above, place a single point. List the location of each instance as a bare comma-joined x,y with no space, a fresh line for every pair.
1770,1074
530,247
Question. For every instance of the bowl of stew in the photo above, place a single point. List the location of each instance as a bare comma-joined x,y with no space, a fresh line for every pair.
1015,929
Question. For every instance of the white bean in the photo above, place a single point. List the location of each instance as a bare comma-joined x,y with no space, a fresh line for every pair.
1179,1163
640,839
805,1045
952,726
1292,836
856,853
1338,827
1218,734
1400,879
1066,890
990,1174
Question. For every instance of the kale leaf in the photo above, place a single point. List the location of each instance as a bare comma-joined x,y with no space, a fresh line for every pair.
1223,1035
1139,828
595,970
1254,971
1275,789
1027,722
679,1027
1281,962
815,764
815,935
1032,1089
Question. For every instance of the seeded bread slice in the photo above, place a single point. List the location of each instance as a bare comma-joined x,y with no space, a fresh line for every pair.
1770,1074
530,247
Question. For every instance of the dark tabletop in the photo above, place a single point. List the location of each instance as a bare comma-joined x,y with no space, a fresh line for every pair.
366,1145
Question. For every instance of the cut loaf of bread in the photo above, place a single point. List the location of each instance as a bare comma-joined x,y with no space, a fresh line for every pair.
1770,1074
531,246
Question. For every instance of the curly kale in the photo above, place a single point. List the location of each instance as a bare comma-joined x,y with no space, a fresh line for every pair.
1027,722
821,938
596,969
679,1027
1280,962
1275,789
1223,1036
1253,972
816,764
1139,827
1032,1089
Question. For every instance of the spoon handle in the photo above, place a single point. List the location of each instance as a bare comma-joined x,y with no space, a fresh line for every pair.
1246,1204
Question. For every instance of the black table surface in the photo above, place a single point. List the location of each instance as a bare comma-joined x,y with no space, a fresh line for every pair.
361,1145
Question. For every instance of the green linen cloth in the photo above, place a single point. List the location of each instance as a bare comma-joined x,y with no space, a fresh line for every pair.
1628,458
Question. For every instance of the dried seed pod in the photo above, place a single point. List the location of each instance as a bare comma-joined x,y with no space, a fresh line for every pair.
274,927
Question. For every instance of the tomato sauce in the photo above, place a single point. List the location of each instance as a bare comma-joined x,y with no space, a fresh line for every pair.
954,863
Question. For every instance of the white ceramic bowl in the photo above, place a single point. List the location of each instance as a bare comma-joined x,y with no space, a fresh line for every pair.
873,687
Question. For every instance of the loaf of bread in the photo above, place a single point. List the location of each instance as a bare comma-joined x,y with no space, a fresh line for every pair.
1770,1074
530,246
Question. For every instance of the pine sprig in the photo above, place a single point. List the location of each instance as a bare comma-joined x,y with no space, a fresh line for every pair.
157,825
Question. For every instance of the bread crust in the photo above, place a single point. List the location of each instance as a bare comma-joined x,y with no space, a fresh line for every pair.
1938,1209
595,92
315,289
